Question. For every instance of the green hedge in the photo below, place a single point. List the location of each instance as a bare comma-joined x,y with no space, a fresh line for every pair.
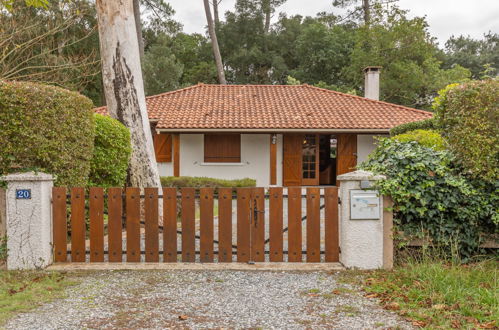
427,124
469,117
198,182
46,128
433,197
430,139
112,150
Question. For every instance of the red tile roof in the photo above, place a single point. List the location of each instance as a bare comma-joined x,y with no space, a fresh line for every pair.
273,107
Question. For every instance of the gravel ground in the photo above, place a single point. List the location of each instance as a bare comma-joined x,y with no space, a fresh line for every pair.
215,299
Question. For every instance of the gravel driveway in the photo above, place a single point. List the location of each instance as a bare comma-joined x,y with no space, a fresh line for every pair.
209,299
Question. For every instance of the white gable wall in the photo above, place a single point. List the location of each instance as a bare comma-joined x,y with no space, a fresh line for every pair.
365,145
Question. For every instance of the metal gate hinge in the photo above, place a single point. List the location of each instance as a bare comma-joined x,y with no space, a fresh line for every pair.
339,200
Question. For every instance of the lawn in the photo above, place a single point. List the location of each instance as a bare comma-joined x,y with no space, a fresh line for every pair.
21,291
436,294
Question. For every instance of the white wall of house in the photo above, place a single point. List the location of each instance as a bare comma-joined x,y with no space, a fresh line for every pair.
255,158
365,145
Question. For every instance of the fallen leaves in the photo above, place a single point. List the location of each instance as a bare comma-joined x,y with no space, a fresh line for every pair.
183,317
487,325
393,306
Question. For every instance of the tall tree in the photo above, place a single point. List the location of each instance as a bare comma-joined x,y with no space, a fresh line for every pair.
216,14
138,26
124,87
214,43
269,7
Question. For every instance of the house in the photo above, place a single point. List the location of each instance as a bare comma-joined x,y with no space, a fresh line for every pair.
278,135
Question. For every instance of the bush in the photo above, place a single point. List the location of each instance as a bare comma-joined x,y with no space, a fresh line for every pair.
430,139
432,199
112,150
469,115
198,182
46,128
427,124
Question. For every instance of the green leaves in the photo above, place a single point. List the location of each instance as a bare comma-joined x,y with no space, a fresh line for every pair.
433,196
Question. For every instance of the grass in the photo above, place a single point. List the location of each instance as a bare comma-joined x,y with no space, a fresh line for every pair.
438,294
21,291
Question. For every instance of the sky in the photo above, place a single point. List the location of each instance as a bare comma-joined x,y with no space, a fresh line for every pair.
445,17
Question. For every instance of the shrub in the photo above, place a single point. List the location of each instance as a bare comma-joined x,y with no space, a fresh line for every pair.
198,182
46,128
427,124
469,115
112,149
432,199
430,139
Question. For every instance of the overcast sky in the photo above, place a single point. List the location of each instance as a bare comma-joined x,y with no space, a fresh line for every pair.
445,17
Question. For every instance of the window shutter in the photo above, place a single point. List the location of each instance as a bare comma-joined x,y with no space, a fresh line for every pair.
163,147
222,148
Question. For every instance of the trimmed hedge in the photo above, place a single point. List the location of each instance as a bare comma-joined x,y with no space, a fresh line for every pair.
112,150
430,139
48,129
427,124
469,117
199,182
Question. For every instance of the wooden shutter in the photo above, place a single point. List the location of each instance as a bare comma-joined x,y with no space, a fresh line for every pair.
347,153
292,158
163,147
222,148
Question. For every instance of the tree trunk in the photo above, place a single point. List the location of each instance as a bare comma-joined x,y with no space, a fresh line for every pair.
215,13
124,88
214,44
367,11
267,11
138,26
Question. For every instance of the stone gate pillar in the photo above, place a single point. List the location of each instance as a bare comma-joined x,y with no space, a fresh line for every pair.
365,225
28,220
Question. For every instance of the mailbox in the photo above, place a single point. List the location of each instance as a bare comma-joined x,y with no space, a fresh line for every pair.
364,205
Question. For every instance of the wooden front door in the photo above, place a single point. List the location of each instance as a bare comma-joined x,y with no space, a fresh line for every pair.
291,160
347,153
310,160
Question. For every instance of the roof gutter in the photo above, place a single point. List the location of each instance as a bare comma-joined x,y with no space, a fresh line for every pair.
275,130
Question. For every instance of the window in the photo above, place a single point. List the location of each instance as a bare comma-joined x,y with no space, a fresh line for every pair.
163,147
222,148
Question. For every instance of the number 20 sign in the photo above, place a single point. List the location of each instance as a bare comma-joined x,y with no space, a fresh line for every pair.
23,193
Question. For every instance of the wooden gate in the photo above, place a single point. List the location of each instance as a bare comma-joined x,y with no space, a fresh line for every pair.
276,225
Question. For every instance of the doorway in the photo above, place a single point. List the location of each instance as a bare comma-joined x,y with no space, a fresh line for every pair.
327,159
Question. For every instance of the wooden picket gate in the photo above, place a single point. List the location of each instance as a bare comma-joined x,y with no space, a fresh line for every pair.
117,227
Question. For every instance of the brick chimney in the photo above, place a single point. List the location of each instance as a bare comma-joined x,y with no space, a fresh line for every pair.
371,82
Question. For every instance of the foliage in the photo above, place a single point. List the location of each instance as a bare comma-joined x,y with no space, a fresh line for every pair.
434,294
428,124
46,128
29,3
427,138
21,291
474,54
57,45
112,150
404,48
162,71
432,198
469,117
198,182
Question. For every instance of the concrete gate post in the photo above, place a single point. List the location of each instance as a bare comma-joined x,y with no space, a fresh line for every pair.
28,220
365,226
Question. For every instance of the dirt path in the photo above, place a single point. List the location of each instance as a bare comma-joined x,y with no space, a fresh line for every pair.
215,299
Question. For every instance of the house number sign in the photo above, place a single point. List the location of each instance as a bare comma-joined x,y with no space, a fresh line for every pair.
23,193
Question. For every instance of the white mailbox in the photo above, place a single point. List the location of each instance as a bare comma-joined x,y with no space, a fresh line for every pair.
364,205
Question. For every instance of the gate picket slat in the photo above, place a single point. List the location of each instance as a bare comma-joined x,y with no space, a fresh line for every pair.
275,219
114,224
313,225
331,224
294,225
206,224
225,224
243,224
188,225
60,224
169,225
258,225
151,224
133,225
78,227
96,204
